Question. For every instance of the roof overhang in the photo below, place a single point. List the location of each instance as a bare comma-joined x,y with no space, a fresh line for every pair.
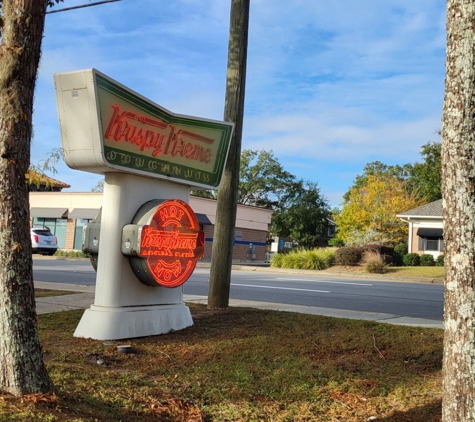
203,219
84,213
429,232
48,212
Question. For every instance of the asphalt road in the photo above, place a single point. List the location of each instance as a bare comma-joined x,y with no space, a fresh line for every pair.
416,300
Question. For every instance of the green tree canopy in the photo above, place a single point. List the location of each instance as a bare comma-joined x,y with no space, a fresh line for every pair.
424,179
300,211
263,181
304,216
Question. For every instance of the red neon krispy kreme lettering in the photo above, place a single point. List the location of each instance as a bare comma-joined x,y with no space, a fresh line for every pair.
172,243
159,137
156,242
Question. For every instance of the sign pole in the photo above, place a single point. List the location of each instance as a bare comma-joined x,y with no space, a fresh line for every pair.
147,153
123,306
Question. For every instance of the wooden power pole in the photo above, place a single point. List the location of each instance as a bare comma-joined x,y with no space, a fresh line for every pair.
223,238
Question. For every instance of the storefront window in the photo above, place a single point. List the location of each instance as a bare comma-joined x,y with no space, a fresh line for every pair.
80,223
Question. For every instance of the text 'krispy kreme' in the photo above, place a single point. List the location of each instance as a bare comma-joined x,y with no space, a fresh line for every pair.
166,243
157,138
170,244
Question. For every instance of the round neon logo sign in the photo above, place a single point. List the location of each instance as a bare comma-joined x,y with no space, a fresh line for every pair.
169,243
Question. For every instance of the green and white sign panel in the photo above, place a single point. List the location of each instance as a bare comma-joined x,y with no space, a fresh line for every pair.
107,127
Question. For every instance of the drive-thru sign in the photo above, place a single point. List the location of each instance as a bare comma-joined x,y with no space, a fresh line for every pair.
148,239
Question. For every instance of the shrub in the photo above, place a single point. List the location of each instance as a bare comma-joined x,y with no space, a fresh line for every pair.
348,256
71,254
400,249
427,260
411,260
293,260
336,241
316,259
386,252
374,262
276,260
440,261
398,253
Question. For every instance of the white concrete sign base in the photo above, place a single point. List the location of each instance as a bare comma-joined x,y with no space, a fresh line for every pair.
123,306
102,323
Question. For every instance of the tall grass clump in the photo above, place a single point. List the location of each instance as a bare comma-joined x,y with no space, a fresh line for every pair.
318,259
374,262
294,260
276,260
315,259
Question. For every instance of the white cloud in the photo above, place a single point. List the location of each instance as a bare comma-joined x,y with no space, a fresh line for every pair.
330,85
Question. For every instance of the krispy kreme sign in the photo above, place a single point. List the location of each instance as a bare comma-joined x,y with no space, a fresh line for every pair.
106,127
163,243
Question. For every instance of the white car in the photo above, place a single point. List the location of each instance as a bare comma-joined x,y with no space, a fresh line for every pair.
43,241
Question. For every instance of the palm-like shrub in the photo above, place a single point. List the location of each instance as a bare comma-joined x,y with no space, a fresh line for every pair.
276,260
294,260
315,259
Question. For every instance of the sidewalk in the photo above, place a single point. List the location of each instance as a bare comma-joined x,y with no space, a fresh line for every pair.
83,298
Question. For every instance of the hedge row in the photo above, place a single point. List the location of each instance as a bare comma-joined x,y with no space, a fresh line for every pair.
424,260
396,256
353,255
315,259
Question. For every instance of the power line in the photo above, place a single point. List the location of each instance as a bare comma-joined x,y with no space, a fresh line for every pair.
82,6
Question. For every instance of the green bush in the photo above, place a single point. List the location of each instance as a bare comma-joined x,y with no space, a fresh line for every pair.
276,260
427,260
293,260
385,252
71,254
440,261
398,254
336,242
318,259
315,259
374,262
348,256
411,260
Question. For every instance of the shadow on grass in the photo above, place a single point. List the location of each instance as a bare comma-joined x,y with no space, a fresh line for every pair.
48,407
247,364
431,412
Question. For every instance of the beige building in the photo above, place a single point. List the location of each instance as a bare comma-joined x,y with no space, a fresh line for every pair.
66,213
426,229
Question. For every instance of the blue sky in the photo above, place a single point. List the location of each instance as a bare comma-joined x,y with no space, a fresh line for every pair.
331,85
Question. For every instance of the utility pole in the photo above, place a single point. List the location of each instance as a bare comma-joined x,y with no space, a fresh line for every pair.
223,238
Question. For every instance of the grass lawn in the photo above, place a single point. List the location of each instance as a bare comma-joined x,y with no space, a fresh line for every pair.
49,293
432,272
244,365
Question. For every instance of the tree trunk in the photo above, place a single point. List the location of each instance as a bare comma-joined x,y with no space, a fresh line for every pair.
22,369
223,238
458,175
